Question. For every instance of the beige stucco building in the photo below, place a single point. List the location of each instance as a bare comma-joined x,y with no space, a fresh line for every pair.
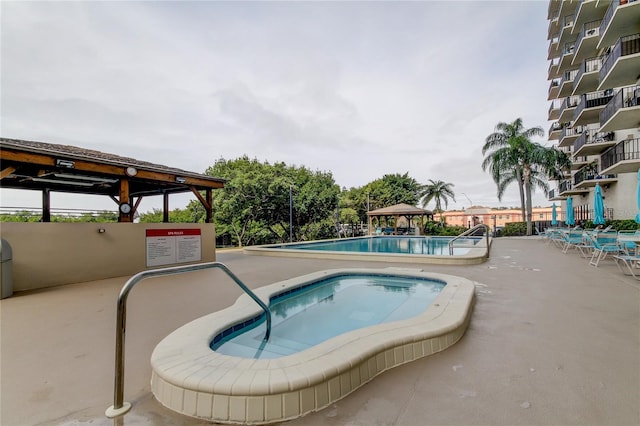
493,218
594,89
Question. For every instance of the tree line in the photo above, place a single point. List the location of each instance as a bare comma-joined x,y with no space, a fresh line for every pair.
265,203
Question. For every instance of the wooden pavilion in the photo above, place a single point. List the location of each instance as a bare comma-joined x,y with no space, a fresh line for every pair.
50,168
397,211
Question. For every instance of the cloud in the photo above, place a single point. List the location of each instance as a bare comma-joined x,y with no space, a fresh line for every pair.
360,89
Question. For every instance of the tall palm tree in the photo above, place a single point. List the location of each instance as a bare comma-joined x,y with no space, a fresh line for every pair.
439,191
512,157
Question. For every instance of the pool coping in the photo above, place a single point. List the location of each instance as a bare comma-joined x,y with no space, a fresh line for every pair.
477,254
190,378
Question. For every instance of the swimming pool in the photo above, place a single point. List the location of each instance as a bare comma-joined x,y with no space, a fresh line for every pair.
190,378
407,249
309,315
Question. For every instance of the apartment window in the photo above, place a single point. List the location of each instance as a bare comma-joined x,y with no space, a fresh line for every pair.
541,216
499,216
508,217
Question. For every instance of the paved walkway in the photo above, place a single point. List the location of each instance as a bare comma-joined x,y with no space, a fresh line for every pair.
552,341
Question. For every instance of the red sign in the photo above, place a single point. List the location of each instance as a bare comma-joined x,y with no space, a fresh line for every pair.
172,232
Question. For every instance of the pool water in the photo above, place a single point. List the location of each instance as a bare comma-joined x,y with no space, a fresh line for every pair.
309,315
400,245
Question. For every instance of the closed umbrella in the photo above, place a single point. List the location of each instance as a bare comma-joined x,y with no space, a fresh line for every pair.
598,206
569,220
638,198
554,215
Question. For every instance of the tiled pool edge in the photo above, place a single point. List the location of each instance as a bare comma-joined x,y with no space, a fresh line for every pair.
476,255
191,379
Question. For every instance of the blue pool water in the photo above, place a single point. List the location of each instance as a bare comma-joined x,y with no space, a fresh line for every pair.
401,245
306,316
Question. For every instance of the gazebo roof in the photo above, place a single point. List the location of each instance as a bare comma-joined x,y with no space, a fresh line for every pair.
399,210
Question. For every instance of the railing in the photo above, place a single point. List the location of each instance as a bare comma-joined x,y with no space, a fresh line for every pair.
608,15
468,232
588,65
593,100
589,172
565,185
625,46
120,407
589,29
592,136
568,48
570,131
555,127
552,194
568,76
624,150
626,97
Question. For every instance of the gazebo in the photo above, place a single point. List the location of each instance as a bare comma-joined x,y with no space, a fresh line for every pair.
397,211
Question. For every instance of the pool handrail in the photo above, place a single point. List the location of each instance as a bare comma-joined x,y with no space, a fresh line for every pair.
469,232
121,407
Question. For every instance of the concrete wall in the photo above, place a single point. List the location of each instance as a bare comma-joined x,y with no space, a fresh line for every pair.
51,254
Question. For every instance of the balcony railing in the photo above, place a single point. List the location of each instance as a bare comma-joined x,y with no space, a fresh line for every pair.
567,21
626,97
609,15
570,102
589,172
589,29
627,45
568,76
565,185
592,136
569,48
625,150
593,100
568,131
555,127
552,194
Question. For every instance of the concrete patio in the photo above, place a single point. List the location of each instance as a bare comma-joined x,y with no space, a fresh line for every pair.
551,341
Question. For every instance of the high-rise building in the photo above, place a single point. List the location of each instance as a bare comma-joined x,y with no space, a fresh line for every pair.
594,74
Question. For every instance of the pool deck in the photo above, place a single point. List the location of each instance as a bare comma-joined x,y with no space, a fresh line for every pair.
551,341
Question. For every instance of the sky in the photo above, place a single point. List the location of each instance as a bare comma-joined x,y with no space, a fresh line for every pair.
360,89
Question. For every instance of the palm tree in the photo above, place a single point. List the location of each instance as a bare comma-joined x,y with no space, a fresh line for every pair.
512,157
439,191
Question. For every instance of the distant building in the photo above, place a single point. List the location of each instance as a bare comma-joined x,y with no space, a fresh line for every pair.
493,218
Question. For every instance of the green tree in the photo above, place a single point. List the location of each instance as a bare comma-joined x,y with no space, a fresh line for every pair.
393,189
253,207
512,157
440,192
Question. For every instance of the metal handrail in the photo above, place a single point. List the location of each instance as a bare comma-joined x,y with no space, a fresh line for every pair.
119,406
469,232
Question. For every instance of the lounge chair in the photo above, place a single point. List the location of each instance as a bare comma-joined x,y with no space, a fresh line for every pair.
575,239
603,243
630,261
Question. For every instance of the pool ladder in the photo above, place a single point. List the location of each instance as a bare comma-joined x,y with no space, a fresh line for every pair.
470,231
121,407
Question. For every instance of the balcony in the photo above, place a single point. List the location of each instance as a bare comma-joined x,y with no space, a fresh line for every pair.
554,89
566,33
568,8
587,41
554,111
578,162
566,188
554,48
624,157
588,110
566,84
567,56
554,131
588,177
555,196
589,10
567,109
623,111
587,78
622,65
554,67
568,135
592,142
619,19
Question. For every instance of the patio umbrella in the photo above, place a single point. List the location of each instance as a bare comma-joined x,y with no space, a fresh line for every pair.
638,198
598,206
569,220
554,215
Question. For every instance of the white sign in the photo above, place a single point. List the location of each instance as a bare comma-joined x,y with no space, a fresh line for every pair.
170,246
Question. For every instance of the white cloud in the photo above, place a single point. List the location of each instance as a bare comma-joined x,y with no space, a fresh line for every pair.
360,89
